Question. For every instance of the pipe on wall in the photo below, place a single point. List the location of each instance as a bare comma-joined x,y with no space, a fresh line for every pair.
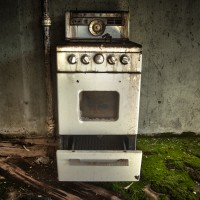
46,22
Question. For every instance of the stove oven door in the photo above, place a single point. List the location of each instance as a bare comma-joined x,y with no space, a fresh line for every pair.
98,103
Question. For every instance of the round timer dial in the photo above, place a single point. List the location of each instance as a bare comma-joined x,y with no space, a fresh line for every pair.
96,27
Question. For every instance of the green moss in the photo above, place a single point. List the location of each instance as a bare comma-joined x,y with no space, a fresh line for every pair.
165,168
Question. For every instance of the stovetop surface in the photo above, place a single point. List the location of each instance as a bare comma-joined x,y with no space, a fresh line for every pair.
101,42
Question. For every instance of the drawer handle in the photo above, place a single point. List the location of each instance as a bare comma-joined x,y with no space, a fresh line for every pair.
103,162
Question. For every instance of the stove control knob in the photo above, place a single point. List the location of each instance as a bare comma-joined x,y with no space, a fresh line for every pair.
85,59
98,58
72,59
124,59
111,59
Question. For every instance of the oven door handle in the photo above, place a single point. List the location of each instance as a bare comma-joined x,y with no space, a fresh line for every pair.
99,162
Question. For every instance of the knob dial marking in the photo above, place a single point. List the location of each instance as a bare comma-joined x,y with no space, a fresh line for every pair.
85,59
124,59
72,59
111,59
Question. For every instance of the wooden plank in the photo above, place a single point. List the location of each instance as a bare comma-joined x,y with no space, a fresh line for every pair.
27,147
99,191
77,190
20,175
37,141
8,149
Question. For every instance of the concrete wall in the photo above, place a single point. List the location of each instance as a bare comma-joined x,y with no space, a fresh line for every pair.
168,30
22,87
170,34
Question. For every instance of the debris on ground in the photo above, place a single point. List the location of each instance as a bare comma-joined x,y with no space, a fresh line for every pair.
170,170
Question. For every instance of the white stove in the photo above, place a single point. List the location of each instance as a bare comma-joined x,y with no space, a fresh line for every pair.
98,87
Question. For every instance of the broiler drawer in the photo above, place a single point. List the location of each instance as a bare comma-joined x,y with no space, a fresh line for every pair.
98,165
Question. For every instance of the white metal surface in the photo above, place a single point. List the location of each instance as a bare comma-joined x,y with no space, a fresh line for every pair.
71,84
64,66
103,48
98,165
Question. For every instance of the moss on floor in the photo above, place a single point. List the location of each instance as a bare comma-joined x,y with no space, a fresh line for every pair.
170,167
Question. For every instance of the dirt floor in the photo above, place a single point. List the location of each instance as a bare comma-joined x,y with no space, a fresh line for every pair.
170,170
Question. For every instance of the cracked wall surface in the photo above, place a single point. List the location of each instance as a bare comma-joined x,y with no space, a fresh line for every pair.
22,91
170,34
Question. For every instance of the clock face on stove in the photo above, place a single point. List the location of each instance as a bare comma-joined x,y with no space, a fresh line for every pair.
96,27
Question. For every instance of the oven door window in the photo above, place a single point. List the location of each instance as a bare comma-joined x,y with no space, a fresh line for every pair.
99,105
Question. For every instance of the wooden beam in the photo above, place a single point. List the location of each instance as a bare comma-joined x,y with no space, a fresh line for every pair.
16,173
76,191
27,147
22,150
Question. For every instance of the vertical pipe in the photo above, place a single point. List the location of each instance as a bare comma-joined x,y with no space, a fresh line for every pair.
46,22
